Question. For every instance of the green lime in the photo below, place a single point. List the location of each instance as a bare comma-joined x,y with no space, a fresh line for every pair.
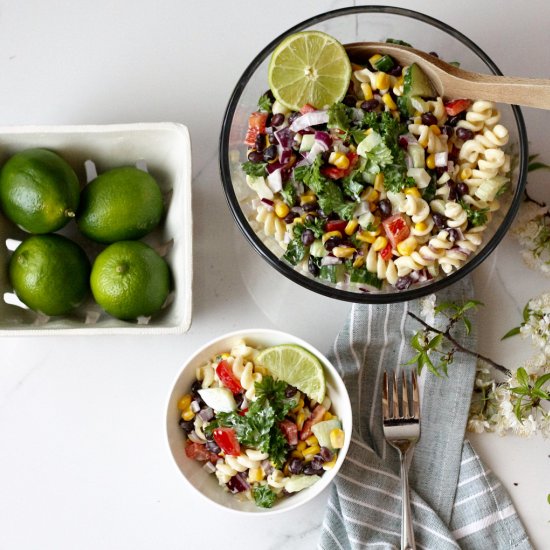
297,367
129,280
121,204
39,191
309,67
50,274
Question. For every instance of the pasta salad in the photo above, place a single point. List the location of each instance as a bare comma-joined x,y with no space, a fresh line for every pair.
261,437
392,186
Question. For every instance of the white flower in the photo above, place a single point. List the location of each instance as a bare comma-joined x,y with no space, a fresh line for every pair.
544,425
500,424
428,308
478,424
527,427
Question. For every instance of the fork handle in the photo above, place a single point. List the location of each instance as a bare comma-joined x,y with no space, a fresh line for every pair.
407,532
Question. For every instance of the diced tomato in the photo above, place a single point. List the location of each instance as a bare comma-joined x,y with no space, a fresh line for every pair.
290,431
196,451
256,126
336,225
396,229
227,441
228,379
352,160
386,252
332,172
316,416
456,106
242,412
307,108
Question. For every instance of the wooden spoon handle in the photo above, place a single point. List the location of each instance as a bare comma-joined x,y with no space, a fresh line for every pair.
530,92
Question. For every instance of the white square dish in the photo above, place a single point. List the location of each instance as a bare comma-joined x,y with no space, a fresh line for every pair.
164,148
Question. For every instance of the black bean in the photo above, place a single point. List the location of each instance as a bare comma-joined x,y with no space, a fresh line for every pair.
333,216
255,156
428,119
272,139
326,454
447,130
452,191
385,208
370,104
213,446
439,220
350,101
453,121
270,95
187,425
239,398
308,237
396,70
310,218
403,283
197,385
462,189
278,119
290,391
270,153
464,134
290,217
309,470
310,206
317,463
312,267
454,235
332,242
259,142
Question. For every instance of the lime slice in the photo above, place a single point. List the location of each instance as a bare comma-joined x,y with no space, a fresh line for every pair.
297,367
309,67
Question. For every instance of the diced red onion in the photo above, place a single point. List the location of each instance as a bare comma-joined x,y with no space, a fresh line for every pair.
285,156
309,119
441,159
465,251
206,414
324,138
238,484
272,166
267,467
450,166
268,202
195,406
330,260
285,137
275,181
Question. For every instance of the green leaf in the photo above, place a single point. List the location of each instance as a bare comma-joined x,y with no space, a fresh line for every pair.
517,410
476,217
521,390
415,342
435,341
522,377
539,393
470,304
413,360
255,169
446,305
531,167
265,103
289,193
317,225
467,324
339,116
295,251
511,332
526,312
542,380
397,41
264,496
363,275
548,498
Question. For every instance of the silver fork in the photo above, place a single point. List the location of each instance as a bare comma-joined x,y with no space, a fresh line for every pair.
401,422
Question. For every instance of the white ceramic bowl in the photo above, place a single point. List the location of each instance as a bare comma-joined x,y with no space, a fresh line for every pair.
164,149
207,484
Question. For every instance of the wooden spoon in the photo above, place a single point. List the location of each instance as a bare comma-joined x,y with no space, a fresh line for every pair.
452,82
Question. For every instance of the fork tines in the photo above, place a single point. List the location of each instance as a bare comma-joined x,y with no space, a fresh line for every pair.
410,408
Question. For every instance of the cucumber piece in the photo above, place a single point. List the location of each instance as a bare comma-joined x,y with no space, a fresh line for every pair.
385,63
416,83
258,184
220,399
307,142
298,482
322,430
317,249
416,151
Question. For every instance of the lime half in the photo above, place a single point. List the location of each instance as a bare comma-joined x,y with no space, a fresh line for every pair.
309,67
297,367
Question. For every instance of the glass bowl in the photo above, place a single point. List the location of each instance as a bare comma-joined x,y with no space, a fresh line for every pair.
359,24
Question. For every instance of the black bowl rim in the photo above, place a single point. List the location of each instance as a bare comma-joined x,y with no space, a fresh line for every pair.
312,284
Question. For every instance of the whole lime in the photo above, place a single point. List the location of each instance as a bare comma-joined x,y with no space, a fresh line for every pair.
50,274
129,279
121,204
39,191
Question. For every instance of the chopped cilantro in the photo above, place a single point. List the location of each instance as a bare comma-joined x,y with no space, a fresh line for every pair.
396,179
397,41
331,273
475,217
264,496
295,251
289,194
353,185
339,116
254,168
317,225
265,103
364,276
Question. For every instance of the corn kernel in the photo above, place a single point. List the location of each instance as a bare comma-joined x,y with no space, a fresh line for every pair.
311,451
399,81
329,234
343,251
255,474
188,414
412,191
299,406
389,102
367,90
380,243
307,198
331,464
379,182
417,118
407,247
365,237
466,173
337,438
296,454
435,129
300,419
424,142
359,261
342,162
301,446
328,416
374,58
420,226
351,227
281,209
430,162
311,441
375,232
184,402
369,131
382,80
370,194
286,470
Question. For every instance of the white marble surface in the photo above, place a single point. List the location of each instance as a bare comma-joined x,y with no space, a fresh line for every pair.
83,461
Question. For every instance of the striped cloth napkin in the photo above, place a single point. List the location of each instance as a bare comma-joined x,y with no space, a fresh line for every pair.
456,501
